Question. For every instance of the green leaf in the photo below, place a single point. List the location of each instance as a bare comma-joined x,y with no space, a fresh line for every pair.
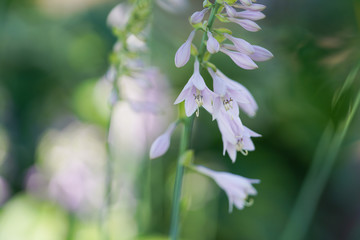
222,18
222,30
194,51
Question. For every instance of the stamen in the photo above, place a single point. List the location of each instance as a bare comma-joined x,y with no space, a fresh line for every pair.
228,103
249,202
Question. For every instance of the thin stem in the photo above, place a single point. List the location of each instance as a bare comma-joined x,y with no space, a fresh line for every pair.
185,137
184,142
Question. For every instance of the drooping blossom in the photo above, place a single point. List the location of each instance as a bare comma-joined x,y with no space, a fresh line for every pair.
198,16
252,7
236,137
195,93
237,188
119,15
212,44
260,54
182,55
227,96
240,44
162,143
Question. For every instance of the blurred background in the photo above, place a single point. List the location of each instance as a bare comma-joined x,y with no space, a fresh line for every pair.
54,112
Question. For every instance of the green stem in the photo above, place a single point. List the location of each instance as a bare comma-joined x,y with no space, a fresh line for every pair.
184,142
185,139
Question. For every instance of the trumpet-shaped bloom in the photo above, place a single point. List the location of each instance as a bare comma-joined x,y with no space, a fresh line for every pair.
182,55
246,24
237,188
162,143
227,97
236,137
195,93
240,59
247,103
198,16
212,44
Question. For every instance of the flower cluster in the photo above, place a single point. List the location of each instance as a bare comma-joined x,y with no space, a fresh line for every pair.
227,96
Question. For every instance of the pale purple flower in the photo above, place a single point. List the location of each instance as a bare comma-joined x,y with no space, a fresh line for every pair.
261,54
249,106
246,24
162,143
252,7
182,55
195,93
227,97
236,137
237,188
240,59
198,16
248,14
240,44
212,44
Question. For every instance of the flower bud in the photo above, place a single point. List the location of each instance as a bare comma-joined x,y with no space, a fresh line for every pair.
252,15
198,16
182,55
261,54
240,44
240,59
162,143
246,24
212,44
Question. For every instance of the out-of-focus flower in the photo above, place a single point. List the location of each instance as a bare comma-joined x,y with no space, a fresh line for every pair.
173,6
119,15
195,93
212,44
182,55
162,143
237,188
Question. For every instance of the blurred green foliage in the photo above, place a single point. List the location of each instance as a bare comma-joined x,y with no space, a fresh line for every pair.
49,66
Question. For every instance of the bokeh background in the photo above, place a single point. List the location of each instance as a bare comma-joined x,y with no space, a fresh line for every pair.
54,110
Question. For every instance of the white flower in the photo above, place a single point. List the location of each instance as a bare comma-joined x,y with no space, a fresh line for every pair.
162,143
119,15
236,187
182,55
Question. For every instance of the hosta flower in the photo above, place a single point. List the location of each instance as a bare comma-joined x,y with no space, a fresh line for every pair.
162,143
240,44
252,7
195,93
236,137
246,24
261,54
119,15
212,44
240,59
237,188
227,97
182,55
249,106
251,15
198,16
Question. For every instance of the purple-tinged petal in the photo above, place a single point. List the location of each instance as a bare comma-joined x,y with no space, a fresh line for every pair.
198,16
231,149
261,54
207,95
217,104
230,11
184,93
182,55
251,132
196,78
252,7
241,45
246,24
248,144
218,83
240,59
162,143
251,15
212,45
190,106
